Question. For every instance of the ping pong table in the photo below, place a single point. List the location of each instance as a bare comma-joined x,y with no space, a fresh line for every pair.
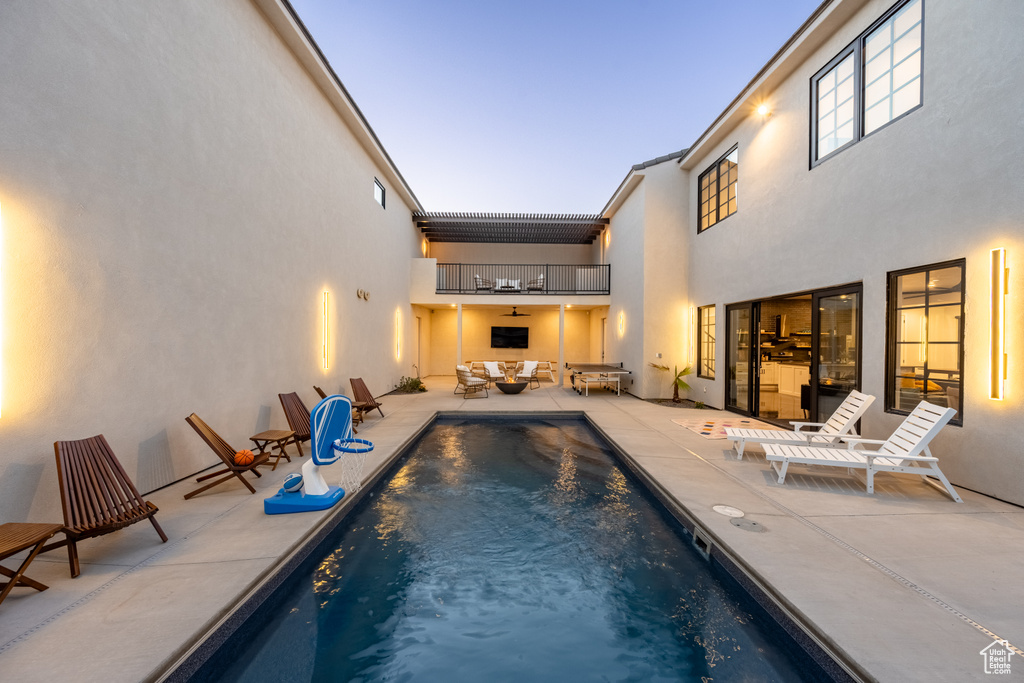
582,375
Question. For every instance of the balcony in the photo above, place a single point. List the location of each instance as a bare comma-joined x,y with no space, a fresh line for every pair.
523,278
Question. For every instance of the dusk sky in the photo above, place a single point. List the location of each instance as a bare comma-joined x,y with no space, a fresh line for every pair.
534,106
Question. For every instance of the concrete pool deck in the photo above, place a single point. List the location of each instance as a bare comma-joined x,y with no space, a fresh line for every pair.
906,583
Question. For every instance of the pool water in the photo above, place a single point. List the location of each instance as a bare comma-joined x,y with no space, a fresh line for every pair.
501,551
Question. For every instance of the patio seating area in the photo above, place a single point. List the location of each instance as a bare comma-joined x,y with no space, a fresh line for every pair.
139,604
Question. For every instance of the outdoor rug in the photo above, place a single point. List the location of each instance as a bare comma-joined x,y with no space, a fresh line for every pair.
714,428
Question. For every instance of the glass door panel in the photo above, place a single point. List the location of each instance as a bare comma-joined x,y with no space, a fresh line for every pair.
835,361
739,385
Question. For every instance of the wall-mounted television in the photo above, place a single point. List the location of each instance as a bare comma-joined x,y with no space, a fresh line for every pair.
510,337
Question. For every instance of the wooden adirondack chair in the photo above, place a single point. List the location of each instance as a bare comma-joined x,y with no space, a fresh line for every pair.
96,494
227,454
362,399
297,414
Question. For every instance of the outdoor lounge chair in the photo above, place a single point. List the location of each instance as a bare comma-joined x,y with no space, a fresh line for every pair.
906,451
528,371
320,391
842,421
468,382
96,494
297,414
494,371
227,454
482,284
362,399
536,285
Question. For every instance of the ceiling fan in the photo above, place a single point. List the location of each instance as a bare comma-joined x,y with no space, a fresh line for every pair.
513,314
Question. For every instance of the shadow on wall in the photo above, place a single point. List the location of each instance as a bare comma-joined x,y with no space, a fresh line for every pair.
262,420
155,468
25,481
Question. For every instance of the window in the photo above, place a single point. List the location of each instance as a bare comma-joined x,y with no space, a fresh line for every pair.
926,338
378,191
718,190
706,345
872,82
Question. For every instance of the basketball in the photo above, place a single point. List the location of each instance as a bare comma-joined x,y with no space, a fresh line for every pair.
244,457
293,482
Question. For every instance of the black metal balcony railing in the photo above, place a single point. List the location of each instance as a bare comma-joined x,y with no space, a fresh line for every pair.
522,278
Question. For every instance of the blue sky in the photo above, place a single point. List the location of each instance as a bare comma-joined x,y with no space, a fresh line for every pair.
535,106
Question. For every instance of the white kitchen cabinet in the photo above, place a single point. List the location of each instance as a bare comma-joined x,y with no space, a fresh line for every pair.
769,373
791,377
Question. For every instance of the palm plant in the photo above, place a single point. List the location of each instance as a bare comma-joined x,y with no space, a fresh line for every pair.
679,383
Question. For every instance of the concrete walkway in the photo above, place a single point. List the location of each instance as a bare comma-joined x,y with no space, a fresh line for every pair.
906,583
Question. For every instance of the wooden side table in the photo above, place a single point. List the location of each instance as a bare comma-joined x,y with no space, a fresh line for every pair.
276,439
15,537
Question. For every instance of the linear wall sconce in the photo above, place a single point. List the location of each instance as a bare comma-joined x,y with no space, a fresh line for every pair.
327,332
1,306
1000,276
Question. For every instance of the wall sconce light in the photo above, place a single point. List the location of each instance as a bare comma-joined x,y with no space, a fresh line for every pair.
1,303
327,332
1000,276
691,334
622,323
607,237
764,112
398,334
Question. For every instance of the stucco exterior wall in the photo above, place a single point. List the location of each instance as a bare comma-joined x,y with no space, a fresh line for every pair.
624,250
942,183
177,194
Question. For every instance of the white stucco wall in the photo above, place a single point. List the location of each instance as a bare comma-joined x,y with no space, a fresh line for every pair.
940,184
177,193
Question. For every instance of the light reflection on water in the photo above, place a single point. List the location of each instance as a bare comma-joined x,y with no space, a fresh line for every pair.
511,551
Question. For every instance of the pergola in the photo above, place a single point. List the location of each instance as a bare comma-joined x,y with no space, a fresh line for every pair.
510,228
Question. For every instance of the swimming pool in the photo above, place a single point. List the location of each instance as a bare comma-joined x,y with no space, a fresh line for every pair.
500,550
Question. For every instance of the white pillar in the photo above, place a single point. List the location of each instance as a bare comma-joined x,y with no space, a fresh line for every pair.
458,334
561,344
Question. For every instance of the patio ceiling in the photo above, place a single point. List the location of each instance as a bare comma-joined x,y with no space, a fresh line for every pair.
510,228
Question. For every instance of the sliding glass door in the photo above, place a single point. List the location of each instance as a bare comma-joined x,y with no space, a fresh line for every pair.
836,343
740,358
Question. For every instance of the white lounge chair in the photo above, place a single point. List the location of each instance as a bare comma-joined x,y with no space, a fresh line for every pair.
839,424
905,451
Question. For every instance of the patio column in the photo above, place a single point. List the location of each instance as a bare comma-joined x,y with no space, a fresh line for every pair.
561,343
458,334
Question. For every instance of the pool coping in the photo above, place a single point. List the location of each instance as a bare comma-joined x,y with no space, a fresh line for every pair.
195,654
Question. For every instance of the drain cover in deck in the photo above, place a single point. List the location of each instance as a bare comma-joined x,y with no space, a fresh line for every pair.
747,524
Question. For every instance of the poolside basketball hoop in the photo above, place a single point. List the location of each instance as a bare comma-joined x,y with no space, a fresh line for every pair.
332,441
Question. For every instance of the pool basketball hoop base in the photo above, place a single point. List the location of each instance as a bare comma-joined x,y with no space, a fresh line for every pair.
284,502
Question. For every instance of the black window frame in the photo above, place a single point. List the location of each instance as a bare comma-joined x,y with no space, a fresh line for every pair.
892,329
715,168
701,312
857,49
383,193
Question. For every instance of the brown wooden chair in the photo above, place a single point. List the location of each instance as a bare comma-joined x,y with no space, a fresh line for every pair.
227,454
357,417
297,414
96,494
362,399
